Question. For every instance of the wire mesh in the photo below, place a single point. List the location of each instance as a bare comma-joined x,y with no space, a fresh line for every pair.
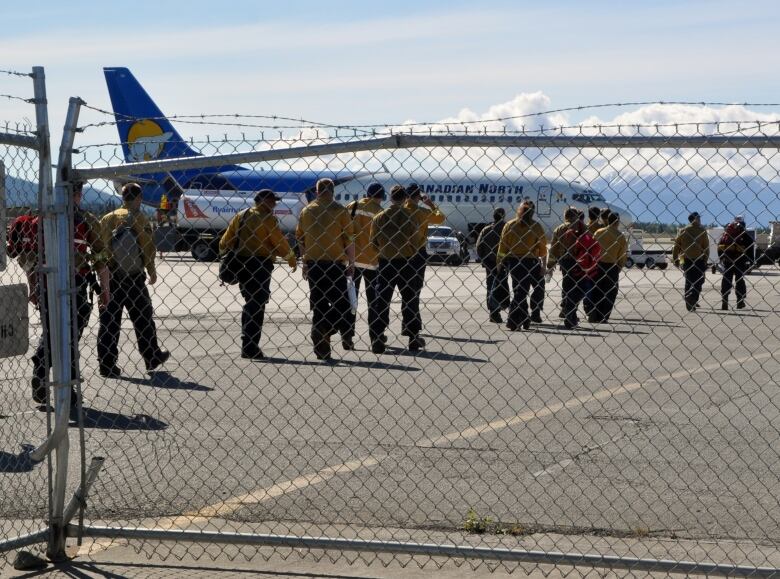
643,432
23,498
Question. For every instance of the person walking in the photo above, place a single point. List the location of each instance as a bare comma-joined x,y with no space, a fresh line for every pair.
325,238
256,235
423,216
522,251
558,249
88,260
394,234
496,279
578,266
691,252
614,253
734,250
129,245
362,213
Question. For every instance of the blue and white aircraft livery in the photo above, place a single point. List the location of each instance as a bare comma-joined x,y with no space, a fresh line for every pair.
207,199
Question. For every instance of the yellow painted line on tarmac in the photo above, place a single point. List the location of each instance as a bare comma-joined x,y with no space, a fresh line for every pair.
226,507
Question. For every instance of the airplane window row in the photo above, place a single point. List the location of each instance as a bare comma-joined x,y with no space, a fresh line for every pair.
449,198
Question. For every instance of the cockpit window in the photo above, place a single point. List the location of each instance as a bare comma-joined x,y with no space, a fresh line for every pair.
588,196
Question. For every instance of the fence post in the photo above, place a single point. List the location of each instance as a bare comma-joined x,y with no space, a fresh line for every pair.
58,269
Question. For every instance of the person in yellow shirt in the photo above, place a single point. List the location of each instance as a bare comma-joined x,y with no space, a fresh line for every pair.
129,245
362,213
614,252
325,238
522,251
692,246
256,235
423,216
393,235
560,246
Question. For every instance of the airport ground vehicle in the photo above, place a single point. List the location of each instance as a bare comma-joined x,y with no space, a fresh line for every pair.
444,244
639,256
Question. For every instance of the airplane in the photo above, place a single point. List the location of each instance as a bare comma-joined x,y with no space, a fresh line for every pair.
207,199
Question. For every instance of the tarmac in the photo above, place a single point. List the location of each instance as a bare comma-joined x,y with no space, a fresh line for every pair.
653,436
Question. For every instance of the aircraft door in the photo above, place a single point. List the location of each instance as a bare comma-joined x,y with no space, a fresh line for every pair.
543,201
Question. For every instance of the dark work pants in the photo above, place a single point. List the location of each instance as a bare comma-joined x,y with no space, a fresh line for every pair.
734,276
694,279
255,285
604,291
573,288
127,292
403,274
527,279
497,286
410,315
39,359
370,276
328,298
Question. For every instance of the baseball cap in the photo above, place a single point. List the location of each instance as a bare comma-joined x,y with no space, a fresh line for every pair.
264,194
375,190
739,219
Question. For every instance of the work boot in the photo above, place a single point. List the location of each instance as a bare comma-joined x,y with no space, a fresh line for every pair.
110,371
157,360
252,354
378,347
416,344
321,345
527,324
536,317
741,305
724,305
347,344
496,318
38,390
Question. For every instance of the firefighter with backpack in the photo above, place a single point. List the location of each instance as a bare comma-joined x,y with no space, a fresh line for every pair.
89,259
735,249
496,279
130,249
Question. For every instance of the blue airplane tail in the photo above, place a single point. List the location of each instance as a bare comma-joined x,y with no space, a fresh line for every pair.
146,134
144,131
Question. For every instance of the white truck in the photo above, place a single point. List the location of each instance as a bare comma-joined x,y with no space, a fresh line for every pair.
444,244
639,256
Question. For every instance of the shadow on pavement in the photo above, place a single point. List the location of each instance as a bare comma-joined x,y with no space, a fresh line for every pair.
336,362
167,380
462,340
429,355
17,462
88,570
113,421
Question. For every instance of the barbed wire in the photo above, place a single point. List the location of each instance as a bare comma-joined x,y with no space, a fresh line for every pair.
11,97
187,119
15,73
753,125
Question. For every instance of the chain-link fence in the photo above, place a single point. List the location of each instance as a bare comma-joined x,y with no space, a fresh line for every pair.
521,418
24,484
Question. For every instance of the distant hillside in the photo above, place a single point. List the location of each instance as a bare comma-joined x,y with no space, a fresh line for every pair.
23,193
669,199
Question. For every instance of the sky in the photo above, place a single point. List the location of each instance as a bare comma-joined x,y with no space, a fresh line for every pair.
351,62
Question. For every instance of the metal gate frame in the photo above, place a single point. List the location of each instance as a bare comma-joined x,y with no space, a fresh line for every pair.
411,141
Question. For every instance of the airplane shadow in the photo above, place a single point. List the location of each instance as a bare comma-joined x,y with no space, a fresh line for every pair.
461,340
429,355
17,462
167,380
336,362
113,421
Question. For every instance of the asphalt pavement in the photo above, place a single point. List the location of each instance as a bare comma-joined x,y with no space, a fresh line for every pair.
653,435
